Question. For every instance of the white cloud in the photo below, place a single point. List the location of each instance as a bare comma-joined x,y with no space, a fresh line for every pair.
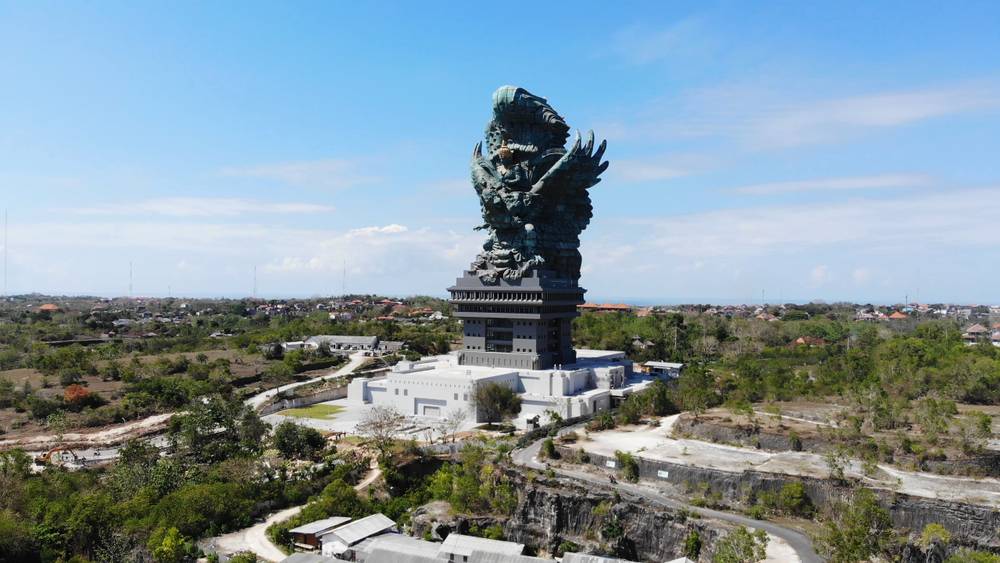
831,119
819,275
330,173
640,44
218,258
932,220
201,207
638,171
836,184
763,118
861,276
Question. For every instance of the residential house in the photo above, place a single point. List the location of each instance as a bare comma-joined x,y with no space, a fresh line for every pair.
605,307
975,333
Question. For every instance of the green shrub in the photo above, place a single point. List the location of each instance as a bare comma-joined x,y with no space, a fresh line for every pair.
628,466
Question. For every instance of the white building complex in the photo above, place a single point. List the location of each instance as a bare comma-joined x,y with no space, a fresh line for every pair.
434,386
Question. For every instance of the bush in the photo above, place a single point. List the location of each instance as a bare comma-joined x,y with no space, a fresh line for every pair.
548,450
566,547
628,465
792,499
692,545
603,421
741,546
934,533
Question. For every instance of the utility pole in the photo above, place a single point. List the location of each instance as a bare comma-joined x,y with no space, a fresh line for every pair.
130,279
5,253
343,280
255,281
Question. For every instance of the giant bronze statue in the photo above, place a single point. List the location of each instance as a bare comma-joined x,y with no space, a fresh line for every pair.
532,190
518,299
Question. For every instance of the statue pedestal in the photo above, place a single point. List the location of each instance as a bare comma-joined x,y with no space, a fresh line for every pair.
524,323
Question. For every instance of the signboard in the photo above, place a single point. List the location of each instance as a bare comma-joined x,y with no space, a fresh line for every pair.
610,463
662,474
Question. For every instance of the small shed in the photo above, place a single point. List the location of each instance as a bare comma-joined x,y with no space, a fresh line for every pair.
343,538
307,536
670,370
459,548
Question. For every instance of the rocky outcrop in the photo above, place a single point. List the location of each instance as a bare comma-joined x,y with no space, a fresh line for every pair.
551,511
970,525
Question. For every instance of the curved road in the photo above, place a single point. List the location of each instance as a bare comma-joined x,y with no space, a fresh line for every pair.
528,457
255,538
357,359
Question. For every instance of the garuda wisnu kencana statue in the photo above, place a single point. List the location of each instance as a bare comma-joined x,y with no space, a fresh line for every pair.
533,191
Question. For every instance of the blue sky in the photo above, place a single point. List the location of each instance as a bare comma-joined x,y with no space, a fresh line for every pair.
847,151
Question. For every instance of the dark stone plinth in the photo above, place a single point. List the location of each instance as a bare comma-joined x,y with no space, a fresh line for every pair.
524,323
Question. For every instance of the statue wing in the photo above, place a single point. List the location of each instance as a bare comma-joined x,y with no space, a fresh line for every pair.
484,176
579,169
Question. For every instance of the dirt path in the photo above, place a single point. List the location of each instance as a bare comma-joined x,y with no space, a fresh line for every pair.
255,537
113,435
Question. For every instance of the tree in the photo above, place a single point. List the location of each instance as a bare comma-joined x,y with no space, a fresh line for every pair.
451,424
17,543
379,427
15,466
859,530
696,390
741,546
692,545
548,450
295,441
214,429
167,546
496,402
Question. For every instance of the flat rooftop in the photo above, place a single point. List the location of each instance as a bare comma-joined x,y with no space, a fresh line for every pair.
591,355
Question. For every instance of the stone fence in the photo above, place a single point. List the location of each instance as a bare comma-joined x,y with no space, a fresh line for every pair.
279,404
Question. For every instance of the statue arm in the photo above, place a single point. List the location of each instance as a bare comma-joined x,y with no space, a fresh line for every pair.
581,164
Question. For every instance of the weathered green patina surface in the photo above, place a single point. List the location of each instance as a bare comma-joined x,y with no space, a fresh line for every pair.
533,191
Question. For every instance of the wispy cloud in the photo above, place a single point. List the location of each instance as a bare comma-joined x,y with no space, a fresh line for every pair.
201,207
759,117
379,258
641,44
939,219
646,171
658,168
882,181
330,173
832,119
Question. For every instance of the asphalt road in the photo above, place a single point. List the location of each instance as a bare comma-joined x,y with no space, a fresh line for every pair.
528,457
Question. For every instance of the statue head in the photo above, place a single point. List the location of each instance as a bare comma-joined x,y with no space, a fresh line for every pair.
526,123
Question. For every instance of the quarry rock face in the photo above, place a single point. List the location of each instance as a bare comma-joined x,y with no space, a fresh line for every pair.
551,512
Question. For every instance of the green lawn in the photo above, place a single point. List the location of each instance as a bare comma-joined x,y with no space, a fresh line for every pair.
318,411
